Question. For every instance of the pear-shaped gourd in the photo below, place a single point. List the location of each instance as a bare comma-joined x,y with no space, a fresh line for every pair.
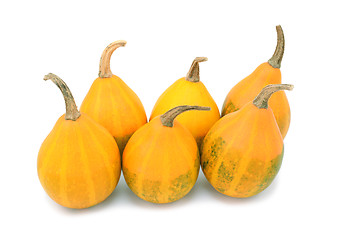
161,160
267,73
112,103
243,151
79,161
190,91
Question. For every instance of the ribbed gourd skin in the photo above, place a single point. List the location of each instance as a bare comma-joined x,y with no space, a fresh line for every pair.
247,89
112,104
161,164
184,92
79,163
242,153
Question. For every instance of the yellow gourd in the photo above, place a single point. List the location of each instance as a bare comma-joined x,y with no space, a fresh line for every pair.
112,103
79,161
190,91
161,160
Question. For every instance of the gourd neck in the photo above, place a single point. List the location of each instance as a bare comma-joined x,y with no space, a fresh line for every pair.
194,73
72,113
104,69
275,60
167,119
261,100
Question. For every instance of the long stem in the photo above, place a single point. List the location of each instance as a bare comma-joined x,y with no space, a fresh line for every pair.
275,60
194,73
72,112
104,71
261,100
167,119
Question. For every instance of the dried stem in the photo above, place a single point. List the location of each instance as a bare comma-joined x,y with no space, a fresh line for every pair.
261,100
104,71
275,60
72,112
167,119
193,74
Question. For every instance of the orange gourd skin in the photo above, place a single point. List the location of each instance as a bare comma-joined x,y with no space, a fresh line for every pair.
247,89
79,163
242,153
112,104
184,92
161,164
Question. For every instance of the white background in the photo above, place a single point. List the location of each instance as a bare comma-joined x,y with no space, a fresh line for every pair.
316,193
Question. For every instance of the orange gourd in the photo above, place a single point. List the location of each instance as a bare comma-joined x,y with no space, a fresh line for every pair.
190,90
161,160
79,161
112,103
267,73
243,151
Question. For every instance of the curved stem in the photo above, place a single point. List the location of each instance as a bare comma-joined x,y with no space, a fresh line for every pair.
261,100
193,74
104,71
167,119
72,112
275,60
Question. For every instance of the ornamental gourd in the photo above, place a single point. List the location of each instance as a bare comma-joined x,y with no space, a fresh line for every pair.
243,151
190,91
79,161
267,73
112,103
161,160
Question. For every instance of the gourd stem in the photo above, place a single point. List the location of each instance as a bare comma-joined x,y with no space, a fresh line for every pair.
261,100
275,60
72,113
194,73
104,71
167,119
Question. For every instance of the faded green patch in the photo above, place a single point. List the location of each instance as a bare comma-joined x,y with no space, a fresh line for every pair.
228,108
181,186
131,180
151,191
271,172
258,177
225,174
211,155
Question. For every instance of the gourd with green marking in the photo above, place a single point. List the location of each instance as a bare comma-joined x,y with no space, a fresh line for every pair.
243,151
161,160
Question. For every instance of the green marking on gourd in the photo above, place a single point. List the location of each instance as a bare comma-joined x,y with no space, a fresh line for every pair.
131,180
151,190
224,174
256,178
215,150
228,108
181,186
271,172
